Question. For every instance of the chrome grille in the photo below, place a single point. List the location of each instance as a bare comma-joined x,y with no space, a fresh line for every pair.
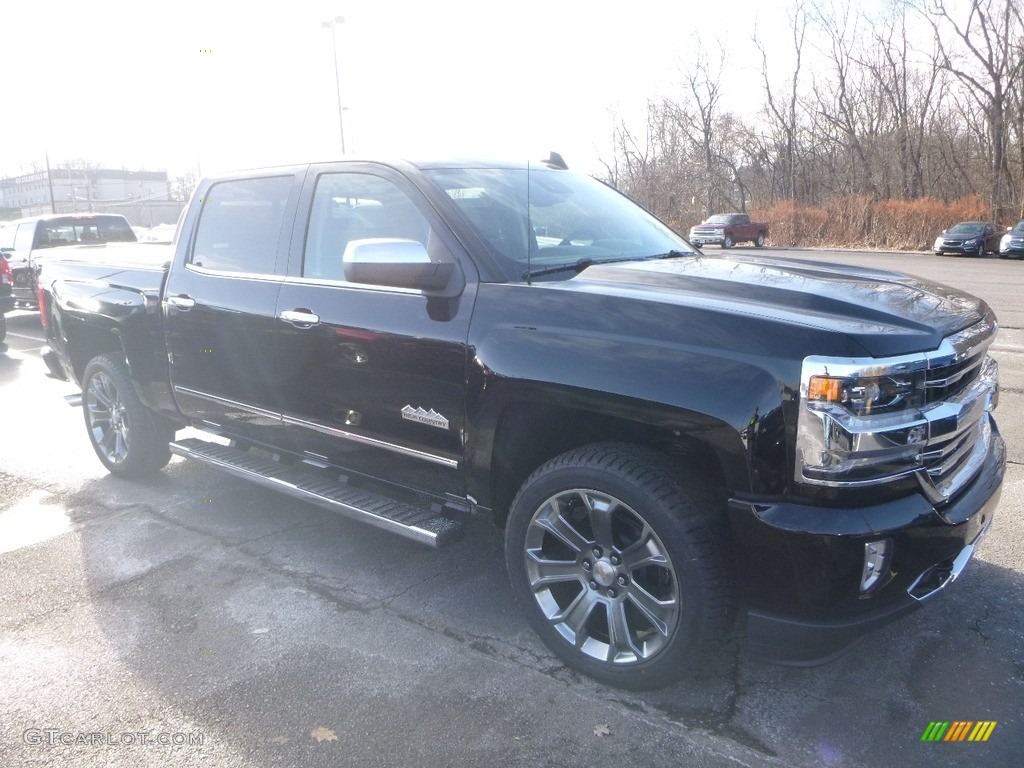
945,456
947,381
960,390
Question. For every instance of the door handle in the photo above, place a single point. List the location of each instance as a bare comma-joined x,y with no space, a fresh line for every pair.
182,302
300,318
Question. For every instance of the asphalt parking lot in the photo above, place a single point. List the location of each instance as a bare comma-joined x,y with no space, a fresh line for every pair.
198,620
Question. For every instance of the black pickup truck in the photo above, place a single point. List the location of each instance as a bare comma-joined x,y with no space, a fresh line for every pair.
675,444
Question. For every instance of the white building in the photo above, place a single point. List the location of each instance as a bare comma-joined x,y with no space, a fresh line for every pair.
95,189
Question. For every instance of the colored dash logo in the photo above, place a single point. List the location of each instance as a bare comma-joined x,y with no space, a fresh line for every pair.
958,730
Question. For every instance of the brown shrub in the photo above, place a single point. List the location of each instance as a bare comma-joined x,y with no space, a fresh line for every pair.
856,221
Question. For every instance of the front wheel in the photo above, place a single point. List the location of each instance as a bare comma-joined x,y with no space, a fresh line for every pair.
614,557
129,439
981,248
728,242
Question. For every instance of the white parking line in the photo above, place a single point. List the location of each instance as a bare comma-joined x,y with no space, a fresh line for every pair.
23,336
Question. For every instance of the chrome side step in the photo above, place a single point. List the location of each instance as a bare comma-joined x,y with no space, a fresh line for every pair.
418,524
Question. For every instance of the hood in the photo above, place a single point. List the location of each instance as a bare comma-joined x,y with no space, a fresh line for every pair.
885,313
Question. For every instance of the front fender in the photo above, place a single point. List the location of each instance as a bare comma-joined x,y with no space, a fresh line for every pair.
732,405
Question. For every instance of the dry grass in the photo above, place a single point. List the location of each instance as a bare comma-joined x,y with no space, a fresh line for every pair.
860,222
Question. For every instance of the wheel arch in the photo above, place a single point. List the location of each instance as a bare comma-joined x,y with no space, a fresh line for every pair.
519,447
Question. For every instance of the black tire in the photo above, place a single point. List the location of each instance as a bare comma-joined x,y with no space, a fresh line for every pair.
759,242
981,249
3,326
129,439
940,253
728,242
616,559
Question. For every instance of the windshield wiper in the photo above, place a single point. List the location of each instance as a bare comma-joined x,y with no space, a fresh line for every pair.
580,264
574,266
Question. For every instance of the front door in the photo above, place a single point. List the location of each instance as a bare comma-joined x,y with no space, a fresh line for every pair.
374,378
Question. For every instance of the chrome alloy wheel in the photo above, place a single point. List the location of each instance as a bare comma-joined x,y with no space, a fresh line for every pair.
107,417
601,576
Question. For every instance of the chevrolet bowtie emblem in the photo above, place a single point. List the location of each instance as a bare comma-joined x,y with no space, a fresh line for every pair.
431,418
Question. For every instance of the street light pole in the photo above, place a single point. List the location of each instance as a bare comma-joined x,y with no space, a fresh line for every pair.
337,80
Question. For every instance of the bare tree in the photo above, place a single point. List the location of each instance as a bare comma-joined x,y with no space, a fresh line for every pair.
842,99
704,85
984,54
184,185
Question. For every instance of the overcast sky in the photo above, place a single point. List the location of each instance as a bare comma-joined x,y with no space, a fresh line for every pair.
172,85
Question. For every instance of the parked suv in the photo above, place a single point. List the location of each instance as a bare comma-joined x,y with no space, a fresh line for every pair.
1012,243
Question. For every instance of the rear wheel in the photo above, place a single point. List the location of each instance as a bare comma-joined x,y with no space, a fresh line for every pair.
759,242
615,558
129,439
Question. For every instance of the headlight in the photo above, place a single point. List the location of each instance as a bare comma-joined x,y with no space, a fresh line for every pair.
861,394
869,421
972,241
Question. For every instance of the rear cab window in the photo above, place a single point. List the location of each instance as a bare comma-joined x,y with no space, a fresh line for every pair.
53,233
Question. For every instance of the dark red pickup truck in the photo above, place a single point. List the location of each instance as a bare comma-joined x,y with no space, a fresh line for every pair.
727,229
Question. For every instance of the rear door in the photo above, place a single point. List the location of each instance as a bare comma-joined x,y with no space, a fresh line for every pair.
219,306
373,379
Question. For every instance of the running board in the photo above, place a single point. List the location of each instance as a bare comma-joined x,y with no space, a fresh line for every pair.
422,525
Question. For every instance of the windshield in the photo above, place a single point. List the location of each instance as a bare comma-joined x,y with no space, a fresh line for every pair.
967,228
719,218
561,219
1019,228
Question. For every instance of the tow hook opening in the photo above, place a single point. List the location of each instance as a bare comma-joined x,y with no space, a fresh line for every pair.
941,575
932,581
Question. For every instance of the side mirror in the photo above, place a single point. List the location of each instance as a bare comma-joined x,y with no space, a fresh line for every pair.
395,263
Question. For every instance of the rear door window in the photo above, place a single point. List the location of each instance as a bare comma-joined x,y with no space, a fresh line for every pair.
240,225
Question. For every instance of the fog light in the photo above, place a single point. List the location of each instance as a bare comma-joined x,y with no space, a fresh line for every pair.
876,564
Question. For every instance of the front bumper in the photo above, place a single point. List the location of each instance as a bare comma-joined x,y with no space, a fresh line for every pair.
956,249
801,565
706,238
